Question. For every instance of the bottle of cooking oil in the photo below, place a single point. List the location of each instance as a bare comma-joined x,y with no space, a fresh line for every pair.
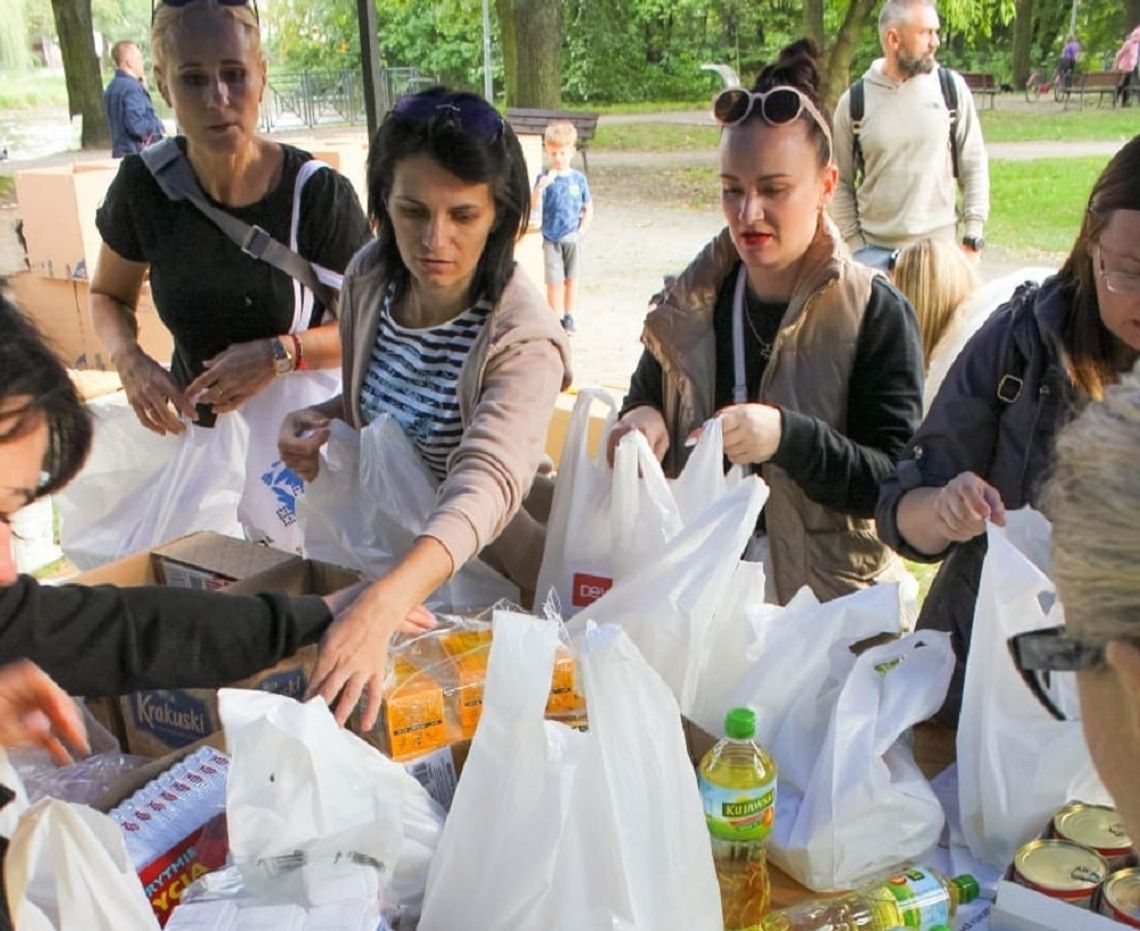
916,897
738,787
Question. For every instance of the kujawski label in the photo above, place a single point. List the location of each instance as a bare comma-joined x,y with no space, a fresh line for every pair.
739,814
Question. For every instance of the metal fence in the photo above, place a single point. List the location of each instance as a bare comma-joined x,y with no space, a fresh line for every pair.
329,98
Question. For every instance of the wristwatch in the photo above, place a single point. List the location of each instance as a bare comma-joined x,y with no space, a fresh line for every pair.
974,242
283,361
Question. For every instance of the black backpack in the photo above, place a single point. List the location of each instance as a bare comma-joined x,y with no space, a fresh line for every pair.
949,95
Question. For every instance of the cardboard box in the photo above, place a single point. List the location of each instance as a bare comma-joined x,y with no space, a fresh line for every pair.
58,205
560,421
1018,908
160,720
153,336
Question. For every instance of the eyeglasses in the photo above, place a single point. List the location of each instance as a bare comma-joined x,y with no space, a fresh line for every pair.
181,3
778,106
1037,653
469,113
1126,284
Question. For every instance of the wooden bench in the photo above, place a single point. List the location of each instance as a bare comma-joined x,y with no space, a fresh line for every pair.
1098,83
534,122
981,84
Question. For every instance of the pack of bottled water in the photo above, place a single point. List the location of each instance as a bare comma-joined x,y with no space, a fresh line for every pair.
170,808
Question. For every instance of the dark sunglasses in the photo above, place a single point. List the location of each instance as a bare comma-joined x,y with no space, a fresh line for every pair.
778,106
469,113
181,3
1037,653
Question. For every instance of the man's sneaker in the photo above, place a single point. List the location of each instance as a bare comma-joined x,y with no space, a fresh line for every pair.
568,324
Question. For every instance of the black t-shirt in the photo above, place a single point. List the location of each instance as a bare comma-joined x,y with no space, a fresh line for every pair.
208,292
761,324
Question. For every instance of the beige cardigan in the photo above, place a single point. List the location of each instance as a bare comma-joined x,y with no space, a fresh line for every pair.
507,390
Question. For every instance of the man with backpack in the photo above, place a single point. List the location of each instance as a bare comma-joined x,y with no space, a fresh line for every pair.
907,137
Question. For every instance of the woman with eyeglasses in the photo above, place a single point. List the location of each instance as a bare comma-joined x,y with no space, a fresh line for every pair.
1093,498
987,444
237,322
811,361
444,333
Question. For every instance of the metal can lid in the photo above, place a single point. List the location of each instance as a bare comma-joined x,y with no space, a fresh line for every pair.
1122,892
1096,826
1060,865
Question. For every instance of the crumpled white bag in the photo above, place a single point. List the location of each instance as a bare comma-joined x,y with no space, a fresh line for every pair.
554,830
865,805
668,605
369,502
67,867
1016,763
299,782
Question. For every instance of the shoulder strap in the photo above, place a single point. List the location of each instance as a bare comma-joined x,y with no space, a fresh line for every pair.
856,100
176,178
1012,377
950,97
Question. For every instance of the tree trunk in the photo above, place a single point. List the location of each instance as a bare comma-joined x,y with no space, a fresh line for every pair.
836,69
81,70
813,22
1022,41
532,51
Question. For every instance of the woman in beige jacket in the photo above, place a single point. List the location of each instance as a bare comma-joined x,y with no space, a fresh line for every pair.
444,334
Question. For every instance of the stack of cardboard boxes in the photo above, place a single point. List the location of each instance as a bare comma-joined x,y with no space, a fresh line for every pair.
57,206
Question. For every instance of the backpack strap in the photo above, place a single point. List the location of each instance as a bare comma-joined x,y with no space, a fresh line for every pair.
856,99
171,169
950,98
1012,378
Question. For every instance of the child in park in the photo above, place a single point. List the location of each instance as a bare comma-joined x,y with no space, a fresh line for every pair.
566,214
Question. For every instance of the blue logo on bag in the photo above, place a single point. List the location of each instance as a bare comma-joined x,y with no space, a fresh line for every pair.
286,486
289,682
172,715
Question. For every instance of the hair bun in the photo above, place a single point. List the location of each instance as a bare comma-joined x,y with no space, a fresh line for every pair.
797,65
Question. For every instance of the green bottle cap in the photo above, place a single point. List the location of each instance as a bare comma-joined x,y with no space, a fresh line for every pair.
968,888
740,723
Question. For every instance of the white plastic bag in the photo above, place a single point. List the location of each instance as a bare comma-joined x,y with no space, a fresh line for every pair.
1016,763
267,508
67,867
866,805
369,502
552,830
300,783
667,606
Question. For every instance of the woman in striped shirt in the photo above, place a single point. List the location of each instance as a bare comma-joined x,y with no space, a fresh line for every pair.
444,333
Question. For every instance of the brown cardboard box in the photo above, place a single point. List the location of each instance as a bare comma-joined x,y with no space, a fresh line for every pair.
158,721
58,206
560,421
54,306
153,336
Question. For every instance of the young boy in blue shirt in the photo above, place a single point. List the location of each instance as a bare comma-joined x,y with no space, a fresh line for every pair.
566,214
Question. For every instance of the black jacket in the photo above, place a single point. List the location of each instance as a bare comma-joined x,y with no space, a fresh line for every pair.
106,641
997,415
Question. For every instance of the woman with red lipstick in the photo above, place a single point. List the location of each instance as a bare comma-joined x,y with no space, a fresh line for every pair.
987,443
444,333
811,361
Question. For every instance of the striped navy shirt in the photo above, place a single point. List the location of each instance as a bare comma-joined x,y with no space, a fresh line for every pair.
413,375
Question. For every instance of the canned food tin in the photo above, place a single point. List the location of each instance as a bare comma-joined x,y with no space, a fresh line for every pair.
1120,897
1098,827
1060,869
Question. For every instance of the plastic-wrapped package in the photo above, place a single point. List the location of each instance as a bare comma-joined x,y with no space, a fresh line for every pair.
83,782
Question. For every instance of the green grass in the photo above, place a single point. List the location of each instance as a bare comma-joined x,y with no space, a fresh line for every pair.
654,137
25,90
645,106
1036,206
1048,123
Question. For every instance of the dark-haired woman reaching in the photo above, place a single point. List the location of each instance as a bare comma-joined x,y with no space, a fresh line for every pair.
812,362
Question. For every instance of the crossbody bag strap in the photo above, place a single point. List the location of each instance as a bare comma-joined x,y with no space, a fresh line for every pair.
172,171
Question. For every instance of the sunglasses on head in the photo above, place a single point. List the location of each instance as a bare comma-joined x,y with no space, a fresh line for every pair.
1037,653
181,3
469,113
778,106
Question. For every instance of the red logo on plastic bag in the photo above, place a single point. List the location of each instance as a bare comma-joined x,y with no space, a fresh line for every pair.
588,589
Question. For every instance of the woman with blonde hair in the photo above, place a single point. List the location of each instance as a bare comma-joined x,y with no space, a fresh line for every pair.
987,443
947,293
238,321
1092,499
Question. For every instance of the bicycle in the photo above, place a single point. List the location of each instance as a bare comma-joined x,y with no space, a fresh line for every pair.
1060,85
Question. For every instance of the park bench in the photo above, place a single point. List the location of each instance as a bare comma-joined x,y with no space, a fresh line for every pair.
524,121
981,85
1098,83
